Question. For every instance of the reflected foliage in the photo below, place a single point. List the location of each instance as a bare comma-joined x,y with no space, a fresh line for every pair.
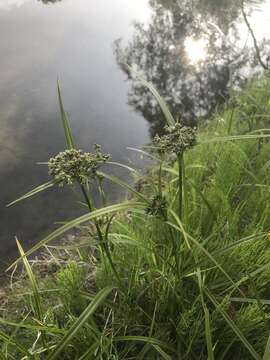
158,51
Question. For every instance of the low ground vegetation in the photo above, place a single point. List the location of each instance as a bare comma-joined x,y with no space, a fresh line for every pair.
180,270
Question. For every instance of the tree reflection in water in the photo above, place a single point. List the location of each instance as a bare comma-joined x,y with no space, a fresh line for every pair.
159,51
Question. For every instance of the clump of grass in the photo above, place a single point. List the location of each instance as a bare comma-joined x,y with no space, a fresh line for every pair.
181,271
70,281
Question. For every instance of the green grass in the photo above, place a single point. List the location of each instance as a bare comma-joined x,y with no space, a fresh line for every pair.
179,271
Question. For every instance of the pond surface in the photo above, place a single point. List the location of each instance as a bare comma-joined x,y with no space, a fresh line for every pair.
72,40
195,52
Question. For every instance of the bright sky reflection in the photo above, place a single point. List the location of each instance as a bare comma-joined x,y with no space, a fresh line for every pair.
196,49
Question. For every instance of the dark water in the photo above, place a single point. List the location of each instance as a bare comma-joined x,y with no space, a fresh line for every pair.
195,52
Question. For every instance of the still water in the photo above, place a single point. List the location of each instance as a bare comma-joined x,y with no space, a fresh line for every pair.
195,52
72,40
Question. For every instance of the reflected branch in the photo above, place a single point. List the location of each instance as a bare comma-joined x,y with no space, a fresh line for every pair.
257,49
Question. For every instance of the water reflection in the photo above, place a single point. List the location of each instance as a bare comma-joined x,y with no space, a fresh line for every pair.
194,52
196,49
39,43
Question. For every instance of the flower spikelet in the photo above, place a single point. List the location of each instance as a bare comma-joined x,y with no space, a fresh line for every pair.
176,139
157,207
74,165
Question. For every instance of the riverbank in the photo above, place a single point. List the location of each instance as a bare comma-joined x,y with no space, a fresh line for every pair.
179,271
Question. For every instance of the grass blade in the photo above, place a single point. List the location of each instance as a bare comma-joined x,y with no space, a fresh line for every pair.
90,352
33,192
209,207
84,218
97,301
15,344
144,153
239,242
65,121
168,116
207,325
232,325
188,238
33,283
208,335
129,168
234,137
161,352
250,301
48,329
144,339
266,355
125,185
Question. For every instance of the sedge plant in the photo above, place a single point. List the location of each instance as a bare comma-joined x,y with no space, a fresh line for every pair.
189,253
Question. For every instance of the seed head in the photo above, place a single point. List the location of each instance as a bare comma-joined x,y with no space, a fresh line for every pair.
75,165
157,207
176,139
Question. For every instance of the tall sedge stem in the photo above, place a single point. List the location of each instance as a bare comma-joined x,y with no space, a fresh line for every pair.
174,251
174,245
103,242
184,193
180,184
160,179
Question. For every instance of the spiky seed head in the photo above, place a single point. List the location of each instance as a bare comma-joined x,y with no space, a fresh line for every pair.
75,165
157,207
176,139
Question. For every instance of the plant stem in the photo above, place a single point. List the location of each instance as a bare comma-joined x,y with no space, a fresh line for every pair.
160,179
180,184
103,242
174,251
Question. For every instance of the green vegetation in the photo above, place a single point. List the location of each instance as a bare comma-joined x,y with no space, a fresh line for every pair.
179,271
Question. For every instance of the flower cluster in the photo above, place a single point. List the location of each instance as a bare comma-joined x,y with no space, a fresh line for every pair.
176,139
157,207
75,165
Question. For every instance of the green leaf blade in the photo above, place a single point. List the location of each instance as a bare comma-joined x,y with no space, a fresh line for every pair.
82,219
168,116
65,120
97,301
33,192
